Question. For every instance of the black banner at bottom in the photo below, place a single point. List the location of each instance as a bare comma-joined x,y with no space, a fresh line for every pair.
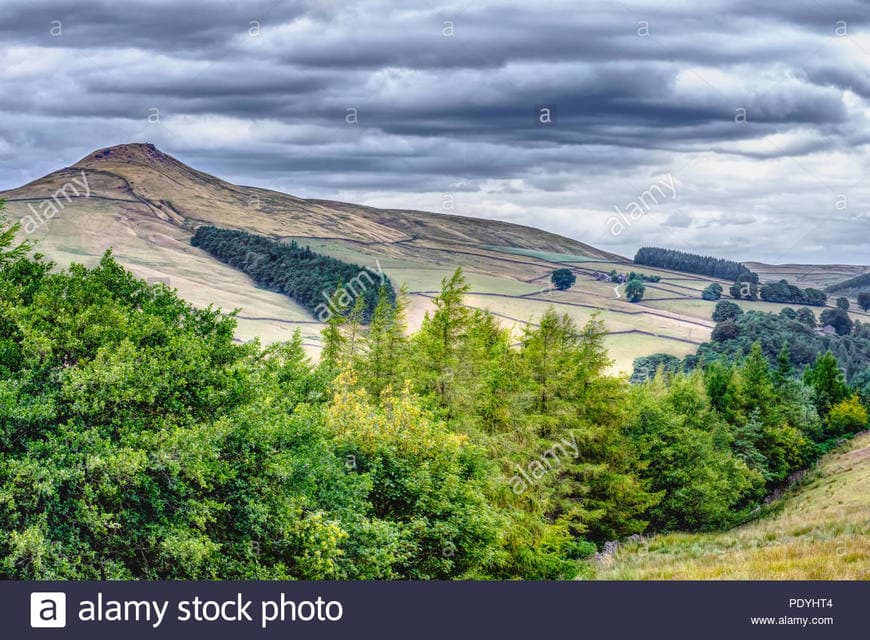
217,610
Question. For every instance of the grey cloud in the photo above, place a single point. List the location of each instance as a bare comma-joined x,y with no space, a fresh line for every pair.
460,113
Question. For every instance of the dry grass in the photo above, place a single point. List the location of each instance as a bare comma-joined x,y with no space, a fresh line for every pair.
145,205
819,531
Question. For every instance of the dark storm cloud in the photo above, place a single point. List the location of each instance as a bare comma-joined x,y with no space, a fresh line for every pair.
192,27
757,109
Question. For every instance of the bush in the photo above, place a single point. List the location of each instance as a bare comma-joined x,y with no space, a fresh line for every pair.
744,289
847,417
727,330
726,310
806,316
563,279
634,290
782,291
646,367
838,319
712,292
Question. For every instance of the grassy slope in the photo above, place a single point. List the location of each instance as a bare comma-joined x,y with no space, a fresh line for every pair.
819,531
144,204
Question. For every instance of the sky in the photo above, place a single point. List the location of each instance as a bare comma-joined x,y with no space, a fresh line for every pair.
732,128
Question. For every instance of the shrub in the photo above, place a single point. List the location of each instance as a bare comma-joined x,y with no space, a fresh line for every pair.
712,292
847,417
726,310
563,279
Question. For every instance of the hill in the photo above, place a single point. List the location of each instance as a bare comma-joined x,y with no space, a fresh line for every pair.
145,205
820,530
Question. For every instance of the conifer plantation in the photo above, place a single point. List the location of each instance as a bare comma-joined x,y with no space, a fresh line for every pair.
138,440
321,284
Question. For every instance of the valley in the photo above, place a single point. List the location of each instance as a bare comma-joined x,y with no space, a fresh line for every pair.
144,205
817,531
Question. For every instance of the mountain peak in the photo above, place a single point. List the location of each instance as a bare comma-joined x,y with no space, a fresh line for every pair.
134,152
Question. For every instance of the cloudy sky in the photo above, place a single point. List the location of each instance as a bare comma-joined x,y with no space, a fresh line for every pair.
554,114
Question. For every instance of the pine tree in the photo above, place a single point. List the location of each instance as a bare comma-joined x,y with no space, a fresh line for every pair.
546,354
8,232
354,328
334,340
386,344
438,343
827,381
784,369
758,391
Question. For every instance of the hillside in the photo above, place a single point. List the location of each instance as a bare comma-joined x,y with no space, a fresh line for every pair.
144,204
808,275
819,531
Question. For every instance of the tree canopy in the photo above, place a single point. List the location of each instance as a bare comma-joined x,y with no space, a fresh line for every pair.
563,279
139,440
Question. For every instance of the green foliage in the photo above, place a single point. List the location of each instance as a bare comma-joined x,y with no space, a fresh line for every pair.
642,277
782,291
8,252
847,417
692,263
423,478
563,279
838,319
827,381
385,356
744,288
724,331
806,316
713,291
313,280
634,290
646,367
686,449
139,441
864,300
726,310
805,345
843,303
861,384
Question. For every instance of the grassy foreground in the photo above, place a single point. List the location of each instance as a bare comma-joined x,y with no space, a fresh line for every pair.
819,531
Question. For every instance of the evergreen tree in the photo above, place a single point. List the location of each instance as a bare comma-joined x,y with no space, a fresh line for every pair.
354,328
8,233
386,344
784,369
334,340
438,343
758,389
827,381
